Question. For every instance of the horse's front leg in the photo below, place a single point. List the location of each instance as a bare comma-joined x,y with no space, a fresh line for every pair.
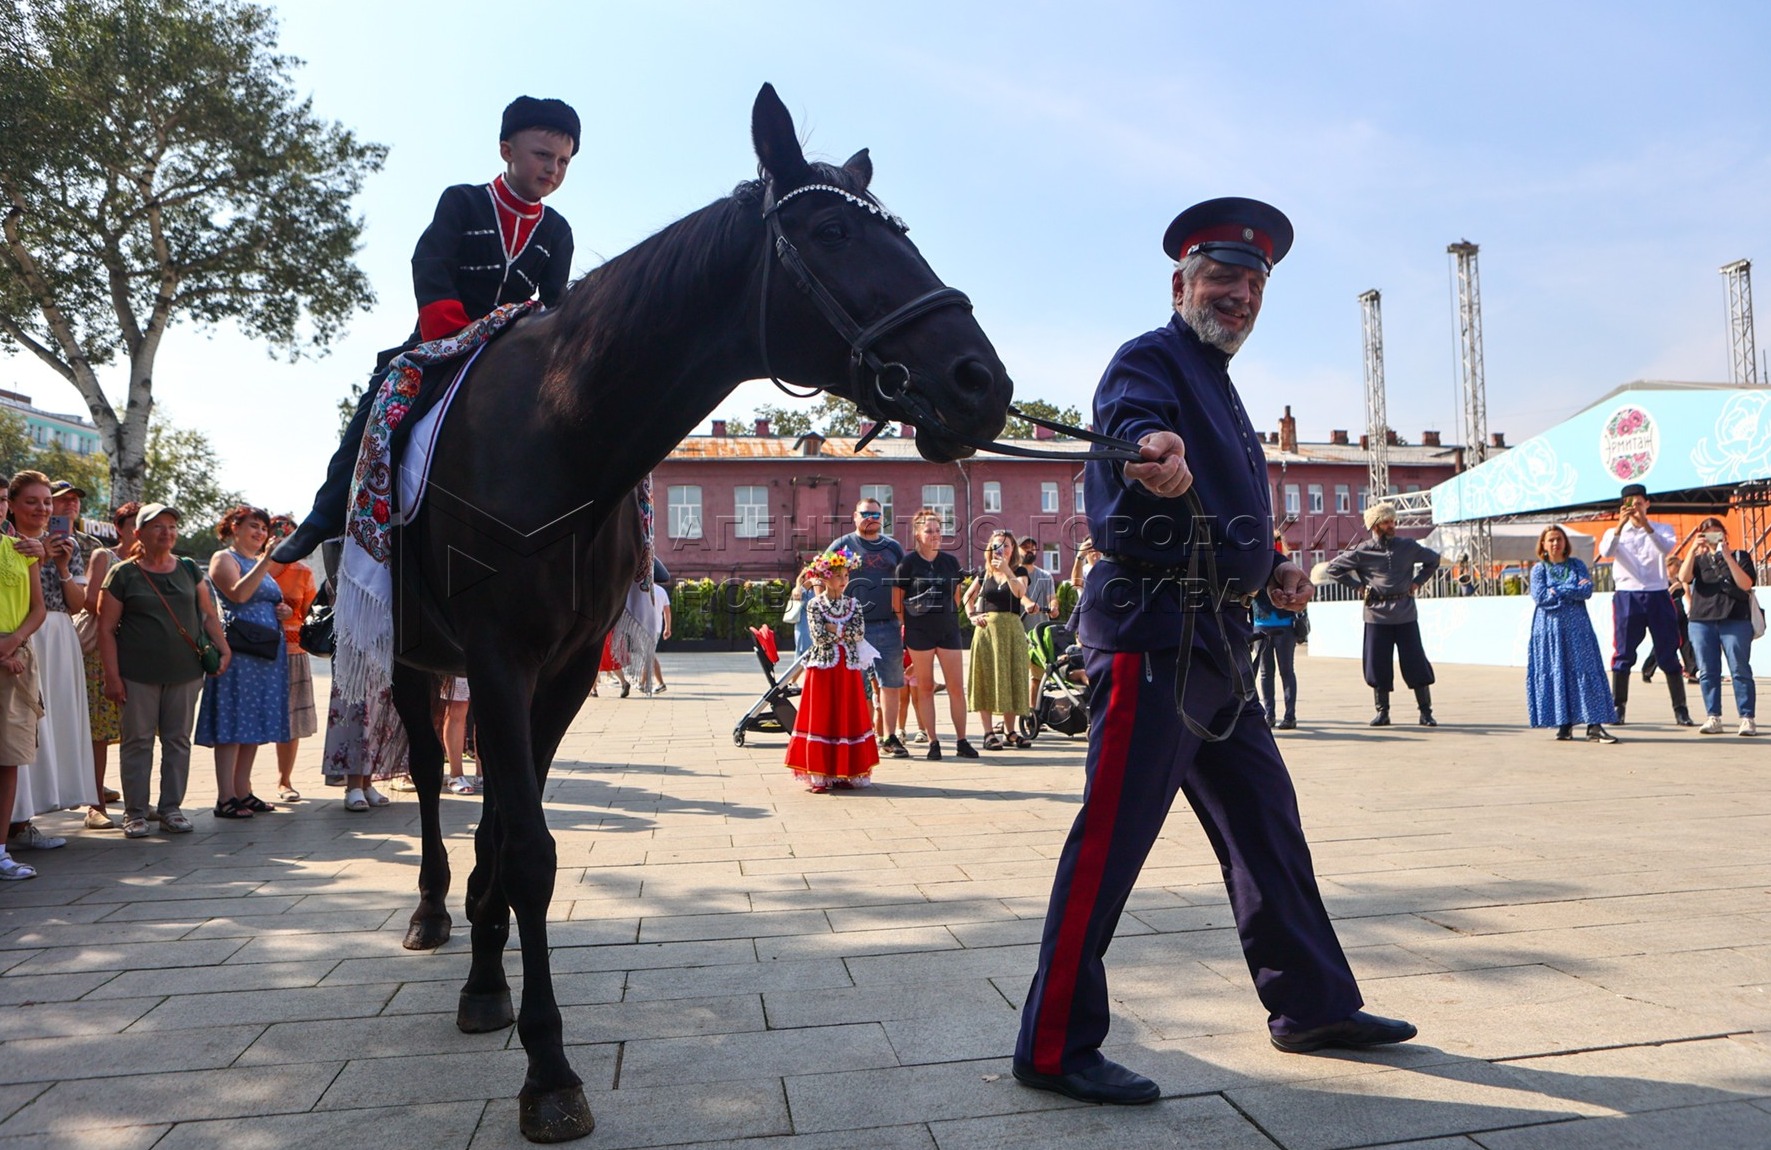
412,694
485,997
551,1106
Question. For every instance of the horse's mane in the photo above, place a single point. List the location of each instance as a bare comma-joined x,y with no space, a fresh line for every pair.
655,286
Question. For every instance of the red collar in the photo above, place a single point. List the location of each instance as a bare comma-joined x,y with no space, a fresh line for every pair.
509,201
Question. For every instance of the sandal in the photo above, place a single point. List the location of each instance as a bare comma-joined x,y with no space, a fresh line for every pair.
136,828
354,800
993,742
232,809
173,823
288,795
256,805
462,785
11,870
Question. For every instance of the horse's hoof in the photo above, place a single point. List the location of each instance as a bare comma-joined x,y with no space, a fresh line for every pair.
481,1013
554,1115
427,931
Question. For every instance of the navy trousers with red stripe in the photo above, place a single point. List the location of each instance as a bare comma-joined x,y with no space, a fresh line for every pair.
1139,756
1638,613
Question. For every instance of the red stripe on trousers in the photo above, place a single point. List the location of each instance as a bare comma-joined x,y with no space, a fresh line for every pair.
1101,814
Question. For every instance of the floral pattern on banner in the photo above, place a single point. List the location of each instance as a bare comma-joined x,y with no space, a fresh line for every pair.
1740,446
371,508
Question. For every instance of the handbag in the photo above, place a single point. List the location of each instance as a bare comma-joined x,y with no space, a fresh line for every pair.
796,606
1301,626
86,626
1757,614
317,636
208,654
259,640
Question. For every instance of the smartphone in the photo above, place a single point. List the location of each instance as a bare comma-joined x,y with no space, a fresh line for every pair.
61,525
1715,538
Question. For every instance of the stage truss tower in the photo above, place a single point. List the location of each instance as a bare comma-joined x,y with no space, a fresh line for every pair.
1475,396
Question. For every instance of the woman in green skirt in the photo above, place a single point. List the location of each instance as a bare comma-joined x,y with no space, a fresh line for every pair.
997,682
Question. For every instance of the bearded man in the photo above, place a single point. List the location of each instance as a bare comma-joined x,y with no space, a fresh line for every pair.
1390,570
1207,739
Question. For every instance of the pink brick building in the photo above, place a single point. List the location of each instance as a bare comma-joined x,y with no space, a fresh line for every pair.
755,506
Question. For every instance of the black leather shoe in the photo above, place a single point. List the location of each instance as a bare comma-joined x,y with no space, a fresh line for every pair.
1358,1029
1109,1082
1565,732
1288,724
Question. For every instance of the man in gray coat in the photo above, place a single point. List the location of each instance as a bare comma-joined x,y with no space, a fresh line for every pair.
1390,570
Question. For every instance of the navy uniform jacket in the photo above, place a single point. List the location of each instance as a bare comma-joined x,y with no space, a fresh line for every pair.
460,257
1169,380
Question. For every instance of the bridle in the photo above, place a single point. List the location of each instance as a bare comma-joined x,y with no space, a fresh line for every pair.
879,384
887,384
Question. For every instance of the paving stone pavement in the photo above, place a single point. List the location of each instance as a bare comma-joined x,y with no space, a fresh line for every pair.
1582,933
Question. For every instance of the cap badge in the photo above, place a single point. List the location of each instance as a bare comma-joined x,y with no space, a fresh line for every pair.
1248,233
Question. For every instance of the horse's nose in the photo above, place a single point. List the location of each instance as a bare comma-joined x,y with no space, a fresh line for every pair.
975,379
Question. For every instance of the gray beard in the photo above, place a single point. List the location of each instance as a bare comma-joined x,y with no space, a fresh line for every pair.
1208,327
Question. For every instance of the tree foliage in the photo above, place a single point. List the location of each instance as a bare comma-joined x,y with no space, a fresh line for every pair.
182,469
159,167
1019,428
833,415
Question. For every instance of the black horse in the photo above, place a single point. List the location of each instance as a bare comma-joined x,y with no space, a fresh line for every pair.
517,566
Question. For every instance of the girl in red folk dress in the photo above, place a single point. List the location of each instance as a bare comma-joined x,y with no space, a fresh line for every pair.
833,743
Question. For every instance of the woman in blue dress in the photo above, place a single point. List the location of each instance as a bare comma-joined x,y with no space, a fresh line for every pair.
248,704
1565,679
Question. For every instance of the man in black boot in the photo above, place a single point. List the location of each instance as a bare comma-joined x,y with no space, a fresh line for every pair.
1390,570
488,244
1638,550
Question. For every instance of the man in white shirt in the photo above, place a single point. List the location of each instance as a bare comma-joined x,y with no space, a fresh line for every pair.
1638,550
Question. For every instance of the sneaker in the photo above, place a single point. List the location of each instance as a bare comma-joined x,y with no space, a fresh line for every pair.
934,752
97,820
965,750
462,785
894,747
136,828
1711,726
1748,727
375,797
11,870
173,822
354,800
32,839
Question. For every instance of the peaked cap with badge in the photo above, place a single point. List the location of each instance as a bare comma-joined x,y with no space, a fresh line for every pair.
1230,230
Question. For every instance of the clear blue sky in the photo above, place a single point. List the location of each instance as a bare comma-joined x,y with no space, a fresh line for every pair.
1608,158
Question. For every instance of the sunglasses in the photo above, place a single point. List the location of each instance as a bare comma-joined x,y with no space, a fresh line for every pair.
871,515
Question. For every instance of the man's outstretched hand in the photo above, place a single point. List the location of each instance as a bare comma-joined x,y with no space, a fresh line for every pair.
1164,472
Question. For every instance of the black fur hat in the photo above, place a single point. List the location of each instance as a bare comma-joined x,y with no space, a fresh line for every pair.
549,115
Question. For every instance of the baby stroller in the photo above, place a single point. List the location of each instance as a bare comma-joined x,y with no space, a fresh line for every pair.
1061,707
773,712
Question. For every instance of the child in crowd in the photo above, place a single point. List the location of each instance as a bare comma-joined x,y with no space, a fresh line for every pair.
455,700
833,744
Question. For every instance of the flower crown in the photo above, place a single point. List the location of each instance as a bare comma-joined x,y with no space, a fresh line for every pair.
842,559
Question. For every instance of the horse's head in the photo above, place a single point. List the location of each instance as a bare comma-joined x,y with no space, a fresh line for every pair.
851,306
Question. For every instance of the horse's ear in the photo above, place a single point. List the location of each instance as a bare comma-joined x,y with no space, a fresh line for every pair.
860,166
777,147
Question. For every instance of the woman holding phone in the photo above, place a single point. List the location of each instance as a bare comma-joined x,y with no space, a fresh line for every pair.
62,776
1721,582
997,684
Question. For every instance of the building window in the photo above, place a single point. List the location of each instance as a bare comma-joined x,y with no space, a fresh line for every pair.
992,496
1080,509
1049,557
1343,498
880,493
685,513
1317,557
750,507
1048,498
1364,499
1292,504
939,497
1414,487
1315,499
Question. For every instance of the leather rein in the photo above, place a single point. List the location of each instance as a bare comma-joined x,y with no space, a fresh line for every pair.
891,385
